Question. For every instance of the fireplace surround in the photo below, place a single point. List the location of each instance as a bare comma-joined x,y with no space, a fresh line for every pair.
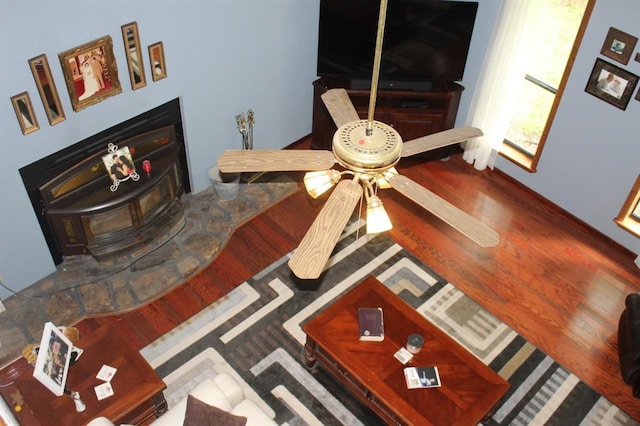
71,191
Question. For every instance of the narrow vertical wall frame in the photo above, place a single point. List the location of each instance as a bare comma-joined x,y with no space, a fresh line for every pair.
156,57
133,50
24,112
47,89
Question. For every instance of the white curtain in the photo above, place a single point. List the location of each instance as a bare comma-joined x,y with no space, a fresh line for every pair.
502,73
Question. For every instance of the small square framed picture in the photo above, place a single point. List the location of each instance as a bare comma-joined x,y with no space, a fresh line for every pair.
618,45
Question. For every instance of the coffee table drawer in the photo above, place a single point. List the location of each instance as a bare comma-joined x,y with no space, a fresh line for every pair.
357,388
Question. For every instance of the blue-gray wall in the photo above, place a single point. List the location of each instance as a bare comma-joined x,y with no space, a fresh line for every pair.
592,156
226,56
223,57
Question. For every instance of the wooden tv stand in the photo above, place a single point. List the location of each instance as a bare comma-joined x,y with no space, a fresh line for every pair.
411,113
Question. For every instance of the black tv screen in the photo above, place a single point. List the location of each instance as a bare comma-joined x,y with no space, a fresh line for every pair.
424,40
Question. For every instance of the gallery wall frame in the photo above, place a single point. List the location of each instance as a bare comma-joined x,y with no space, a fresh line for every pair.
629,216
611,83
156,58
47,89
618,45
24,113
133,50
91,72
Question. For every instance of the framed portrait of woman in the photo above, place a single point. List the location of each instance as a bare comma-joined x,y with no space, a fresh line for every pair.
91,73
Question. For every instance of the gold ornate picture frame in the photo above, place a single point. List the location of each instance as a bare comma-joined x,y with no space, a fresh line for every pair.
156,58
54,359
91,73
24,113
47,89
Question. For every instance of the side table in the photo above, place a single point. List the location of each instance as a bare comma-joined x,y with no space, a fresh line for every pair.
138,398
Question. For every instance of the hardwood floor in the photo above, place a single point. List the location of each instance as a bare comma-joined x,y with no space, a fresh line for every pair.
551,278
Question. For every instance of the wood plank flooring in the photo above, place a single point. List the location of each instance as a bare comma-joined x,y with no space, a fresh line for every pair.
551,278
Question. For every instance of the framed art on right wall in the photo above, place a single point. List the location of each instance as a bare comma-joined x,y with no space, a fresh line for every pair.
618,45
612,84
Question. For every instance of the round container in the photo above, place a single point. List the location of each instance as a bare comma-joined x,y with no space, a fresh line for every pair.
414,343
226,185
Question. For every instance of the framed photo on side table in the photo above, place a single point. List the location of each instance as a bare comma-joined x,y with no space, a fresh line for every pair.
612,84
54,356
91,73
618,45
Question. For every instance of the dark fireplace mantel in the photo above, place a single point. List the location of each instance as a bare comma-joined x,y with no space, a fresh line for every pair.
71,192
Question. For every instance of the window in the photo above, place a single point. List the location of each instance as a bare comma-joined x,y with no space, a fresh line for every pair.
557,40
629,216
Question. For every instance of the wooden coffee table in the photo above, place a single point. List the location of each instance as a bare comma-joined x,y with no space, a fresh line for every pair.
137,399
369,370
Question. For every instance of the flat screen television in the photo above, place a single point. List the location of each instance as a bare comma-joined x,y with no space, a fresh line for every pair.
424,41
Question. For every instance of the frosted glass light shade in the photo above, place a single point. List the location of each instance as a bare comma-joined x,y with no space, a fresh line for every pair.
317,183
377,218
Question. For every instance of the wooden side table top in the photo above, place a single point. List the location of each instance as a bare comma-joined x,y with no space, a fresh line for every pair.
469,388
134,383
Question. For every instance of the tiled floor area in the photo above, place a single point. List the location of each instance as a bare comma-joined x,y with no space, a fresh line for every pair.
81,286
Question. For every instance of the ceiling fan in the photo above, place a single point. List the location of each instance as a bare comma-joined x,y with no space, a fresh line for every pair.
366,151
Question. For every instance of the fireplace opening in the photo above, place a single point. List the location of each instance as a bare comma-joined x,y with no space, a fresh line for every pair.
73,196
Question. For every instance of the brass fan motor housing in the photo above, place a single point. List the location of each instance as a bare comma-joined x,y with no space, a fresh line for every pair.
363,153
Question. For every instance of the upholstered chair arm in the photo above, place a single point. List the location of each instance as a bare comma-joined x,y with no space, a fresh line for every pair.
629,342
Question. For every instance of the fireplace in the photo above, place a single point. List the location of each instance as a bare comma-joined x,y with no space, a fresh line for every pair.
84,209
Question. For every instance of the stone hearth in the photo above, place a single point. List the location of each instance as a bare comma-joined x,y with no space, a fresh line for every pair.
81,286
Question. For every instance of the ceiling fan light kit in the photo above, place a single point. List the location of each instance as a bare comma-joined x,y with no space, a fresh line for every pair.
317,183
368,150
377,217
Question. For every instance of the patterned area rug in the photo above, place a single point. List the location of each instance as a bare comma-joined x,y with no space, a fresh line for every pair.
254,333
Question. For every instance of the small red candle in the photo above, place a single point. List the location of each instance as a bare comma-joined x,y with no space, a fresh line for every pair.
146,166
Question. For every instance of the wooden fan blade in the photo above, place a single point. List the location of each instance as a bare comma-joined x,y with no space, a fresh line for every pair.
311,256
339,106
440,139
475,230
240,160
